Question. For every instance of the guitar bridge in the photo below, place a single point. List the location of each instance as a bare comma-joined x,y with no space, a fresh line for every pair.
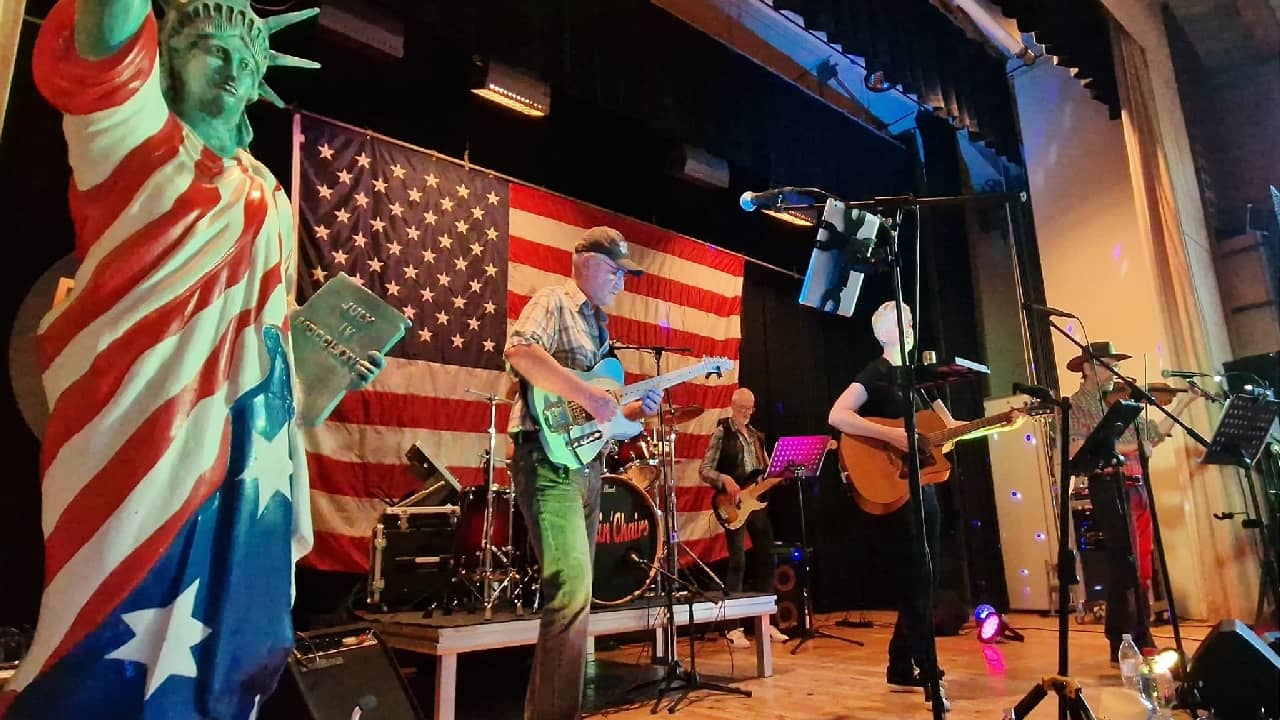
586,439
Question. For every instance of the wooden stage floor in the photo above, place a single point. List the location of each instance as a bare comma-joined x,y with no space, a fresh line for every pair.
832,680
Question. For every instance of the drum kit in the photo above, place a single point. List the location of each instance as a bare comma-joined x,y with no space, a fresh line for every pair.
492,560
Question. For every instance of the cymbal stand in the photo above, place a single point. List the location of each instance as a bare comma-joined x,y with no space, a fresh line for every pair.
494,582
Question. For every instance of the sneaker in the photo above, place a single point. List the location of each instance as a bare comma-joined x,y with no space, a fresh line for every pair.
777,635
942,692
910,679
737,638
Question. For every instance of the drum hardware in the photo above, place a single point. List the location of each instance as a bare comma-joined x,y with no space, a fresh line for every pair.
494,581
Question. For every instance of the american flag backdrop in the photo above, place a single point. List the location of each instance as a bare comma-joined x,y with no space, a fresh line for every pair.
459,251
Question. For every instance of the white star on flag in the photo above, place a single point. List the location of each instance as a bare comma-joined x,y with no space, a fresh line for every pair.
476,248
410,272
491,234
490,270
270,465
457,340
475,285
321,231
378,224
397,171
463,191
318,274
394,247
408,310
379,185
424,335
445,241
428,256
361,199
462,226
460,263
163,638
326,152
442,318
459,302
442,279
446,203
477,212
325,191
375,265
429,218
412,232
489,307
427,295
432,180
473,323
488,345
359,239
415,195
393,288
344,176
342,215
362,160
396,209
339,257
493,197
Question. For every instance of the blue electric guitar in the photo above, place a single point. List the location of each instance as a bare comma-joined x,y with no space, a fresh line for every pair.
573,438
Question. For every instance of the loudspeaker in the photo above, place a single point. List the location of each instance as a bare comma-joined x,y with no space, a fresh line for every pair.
1236,673
788,579
949,613
338,674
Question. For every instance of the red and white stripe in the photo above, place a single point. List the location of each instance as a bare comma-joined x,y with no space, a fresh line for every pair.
691,297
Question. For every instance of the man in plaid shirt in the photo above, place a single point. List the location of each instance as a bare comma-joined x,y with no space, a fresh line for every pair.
564,328
1121,506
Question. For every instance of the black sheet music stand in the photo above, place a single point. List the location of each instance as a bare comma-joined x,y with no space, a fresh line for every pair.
801,456
1242,432
1099,449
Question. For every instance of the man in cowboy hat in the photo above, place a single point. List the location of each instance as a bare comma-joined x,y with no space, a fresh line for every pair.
1121,506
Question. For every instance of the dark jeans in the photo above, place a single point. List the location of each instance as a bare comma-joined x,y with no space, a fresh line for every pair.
910,642
1128,609
760,530
562,511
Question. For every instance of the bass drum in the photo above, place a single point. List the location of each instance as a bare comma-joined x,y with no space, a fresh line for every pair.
629,523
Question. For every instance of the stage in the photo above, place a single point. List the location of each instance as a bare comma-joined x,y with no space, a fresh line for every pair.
827,680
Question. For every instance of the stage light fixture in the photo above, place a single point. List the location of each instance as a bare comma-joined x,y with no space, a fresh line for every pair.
511,88
981,612
795,217
993,628
1168,659
875,81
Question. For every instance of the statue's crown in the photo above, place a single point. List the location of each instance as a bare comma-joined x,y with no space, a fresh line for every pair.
185,19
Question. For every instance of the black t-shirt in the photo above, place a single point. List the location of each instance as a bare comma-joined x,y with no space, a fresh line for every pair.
883,401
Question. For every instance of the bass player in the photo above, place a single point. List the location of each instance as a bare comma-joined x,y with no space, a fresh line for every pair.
735,457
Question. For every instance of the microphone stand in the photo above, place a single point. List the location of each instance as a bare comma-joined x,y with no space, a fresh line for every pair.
690,679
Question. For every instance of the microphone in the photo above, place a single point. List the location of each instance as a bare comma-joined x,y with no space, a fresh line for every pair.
1034,391
770,199
634,557
1051,311
367,703
1185,374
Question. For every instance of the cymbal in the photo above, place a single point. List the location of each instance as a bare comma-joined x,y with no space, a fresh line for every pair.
677,415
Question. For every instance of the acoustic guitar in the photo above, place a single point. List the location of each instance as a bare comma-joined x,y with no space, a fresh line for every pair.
877,471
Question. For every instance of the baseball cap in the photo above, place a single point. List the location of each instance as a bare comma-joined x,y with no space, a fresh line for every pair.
610,243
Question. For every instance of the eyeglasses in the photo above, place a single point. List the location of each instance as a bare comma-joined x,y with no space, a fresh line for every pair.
618,272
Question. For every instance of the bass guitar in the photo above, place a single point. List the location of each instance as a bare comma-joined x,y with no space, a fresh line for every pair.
573,438
733,515
877,471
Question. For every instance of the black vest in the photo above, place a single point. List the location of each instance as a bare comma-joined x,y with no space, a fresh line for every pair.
732,452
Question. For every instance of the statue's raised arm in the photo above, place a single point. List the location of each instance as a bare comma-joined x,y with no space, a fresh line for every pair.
104,26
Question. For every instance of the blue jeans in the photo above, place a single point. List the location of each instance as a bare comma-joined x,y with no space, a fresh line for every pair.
562,510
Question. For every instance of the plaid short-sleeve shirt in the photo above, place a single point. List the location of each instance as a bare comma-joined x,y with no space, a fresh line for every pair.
1087,410
561,320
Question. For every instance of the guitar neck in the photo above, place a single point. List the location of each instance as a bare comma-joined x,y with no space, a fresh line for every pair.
635,391
951,433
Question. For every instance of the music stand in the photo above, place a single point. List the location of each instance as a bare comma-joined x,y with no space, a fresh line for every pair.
800,456
1242,431
1099,449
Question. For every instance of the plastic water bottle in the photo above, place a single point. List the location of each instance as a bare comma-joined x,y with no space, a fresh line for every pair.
1130,660
1155,686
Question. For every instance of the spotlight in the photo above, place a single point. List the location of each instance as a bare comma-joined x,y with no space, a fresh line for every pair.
1168,659
875,81
511,88
993,628
795,217
981,612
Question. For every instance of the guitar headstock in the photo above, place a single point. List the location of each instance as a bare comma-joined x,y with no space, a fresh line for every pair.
717,366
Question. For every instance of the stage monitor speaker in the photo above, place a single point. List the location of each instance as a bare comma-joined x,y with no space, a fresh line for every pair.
949,613
342,673
1237,674
788,585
